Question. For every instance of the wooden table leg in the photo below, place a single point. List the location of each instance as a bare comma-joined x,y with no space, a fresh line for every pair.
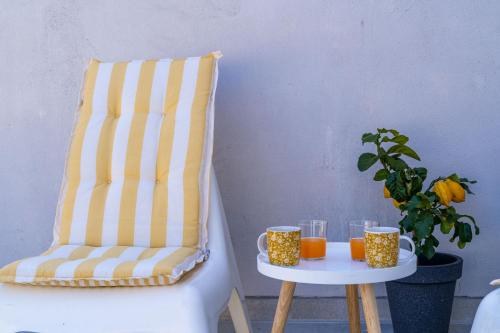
370,308
351,291
284,302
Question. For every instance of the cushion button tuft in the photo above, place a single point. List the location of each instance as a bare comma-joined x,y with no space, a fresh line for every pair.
108,181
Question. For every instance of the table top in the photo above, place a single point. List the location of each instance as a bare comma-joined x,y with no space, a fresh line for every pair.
338,268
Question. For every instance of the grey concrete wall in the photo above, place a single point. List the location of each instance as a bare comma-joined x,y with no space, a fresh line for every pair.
299,83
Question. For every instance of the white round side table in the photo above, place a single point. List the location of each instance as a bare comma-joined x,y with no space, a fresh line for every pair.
337,268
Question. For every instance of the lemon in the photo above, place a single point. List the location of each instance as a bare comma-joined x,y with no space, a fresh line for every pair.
443,192
387,194
457,191
397,203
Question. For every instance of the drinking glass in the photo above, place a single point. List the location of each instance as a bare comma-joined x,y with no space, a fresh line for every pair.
313,239
356,237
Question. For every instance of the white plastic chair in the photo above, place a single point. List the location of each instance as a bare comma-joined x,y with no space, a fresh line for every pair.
487,319
193,305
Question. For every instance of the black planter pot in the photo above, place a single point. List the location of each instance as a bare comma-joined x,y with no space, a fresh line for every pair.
422,302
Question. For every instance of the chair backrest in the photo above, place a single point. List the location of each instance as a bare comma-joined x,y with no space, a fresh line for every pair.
138,167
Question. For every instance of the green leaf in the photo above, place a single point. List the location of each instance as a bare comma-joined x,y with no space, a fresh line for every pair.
434,240
423,227
451,210
465,180
432,197
405,150
393,132
382,174
384,130
407,222
437,219
454,177
428,249
401,139
455,232
461,244
448,219
465,233
396,163
421,172
396,186
369,137
476,228
416,185
366,160
446,226
418,201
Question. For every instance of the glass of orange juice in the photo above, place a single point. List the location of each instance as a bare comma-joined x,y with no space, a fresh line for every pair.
313,239
356,237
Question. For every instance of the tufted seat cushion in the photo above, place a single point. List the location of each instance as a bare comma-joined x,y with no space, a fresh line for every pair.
88,266
135,189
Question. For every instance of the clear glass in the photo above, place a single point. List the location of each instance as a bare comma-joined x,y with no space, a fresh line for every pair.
313,239
356,237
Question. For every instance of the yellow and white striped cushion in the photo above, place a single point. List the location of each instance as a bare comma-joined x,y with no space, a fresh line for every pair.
106,266
134,201
138,166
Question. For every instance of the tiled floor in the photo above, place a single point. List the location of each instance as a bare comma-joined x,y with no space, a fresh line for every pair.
299,327
314,326
329,314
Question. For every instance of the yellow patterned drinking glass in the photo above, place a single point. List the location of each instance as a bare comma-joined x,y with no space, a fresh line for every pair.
382,247
283,245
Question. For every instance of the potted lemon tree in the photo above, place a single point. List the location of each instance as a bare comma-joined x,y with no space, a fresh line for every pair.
423,301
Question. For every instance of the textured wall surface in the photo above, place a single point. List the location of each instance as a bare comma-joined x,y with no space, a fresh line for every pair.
299,83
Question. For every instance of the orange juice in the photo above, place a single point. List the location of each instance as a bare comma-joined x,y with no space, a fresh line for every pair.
357,249
312,247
